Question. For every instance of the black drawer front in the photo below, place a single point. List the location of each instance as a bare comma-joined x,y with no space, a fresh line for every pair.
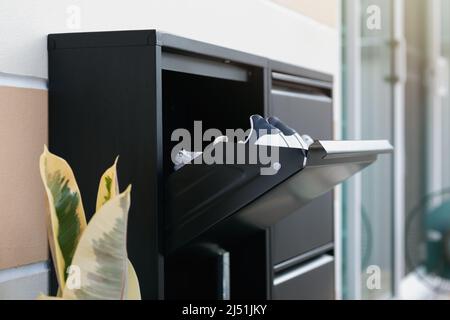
308,228
305,105
307,113
313,280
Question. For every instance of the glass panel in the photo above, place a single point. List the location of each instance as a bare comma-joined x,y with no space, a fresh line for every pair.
376,109
416,25
428,119
344,99
377,121
445,52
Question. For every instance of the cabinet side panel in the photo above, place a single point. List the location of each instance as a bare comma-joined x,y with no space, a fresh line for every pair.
102,103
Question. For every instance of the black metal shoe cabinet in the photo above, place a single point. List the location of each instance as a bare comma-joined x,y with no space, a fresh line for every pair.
209,232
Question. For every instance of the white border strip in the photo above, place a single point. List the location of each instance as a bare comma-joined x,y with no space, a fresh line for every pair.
354,186
23,271
337,135
29,82
400,69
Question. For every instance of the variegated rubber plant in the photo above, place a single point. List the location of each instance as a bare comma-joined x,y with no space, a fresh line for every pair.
96,251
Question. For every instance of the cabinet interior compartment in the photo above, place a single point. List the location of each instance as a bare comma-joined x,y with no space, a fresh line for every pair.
219,270
221,95
198,272
220,103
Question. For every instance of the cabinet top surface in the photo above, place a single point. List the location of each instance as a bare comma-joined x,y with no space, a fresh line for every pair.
167,41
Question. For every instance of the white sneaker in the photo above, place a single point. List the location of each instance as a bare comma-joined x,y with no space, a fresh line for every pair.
184,157
271,132
308,140
293,139
264,134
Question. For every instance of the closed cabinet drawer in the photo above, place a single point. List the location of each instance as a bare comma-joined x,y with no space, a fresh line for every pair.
306,106
313,280
308,228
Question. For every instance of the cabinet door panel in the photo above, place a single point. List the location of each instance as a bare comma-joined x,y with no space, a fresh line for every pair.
308,228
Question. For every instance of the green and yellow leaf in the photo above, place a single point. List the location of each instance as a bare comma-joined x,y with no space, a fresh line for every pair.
133,290
109,188
66,217
101,255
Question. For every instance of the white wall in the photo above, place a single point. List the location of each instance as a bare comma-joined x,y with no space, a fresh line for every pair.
25,282
255,26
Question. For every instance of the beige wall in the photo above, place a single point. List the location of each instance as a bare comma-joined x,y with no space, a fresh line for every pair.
23,132
323,11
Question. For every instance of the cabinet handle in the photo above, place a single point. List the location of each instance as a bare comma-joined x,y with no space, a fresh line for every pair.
302,269
302,81
300,95
203,67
